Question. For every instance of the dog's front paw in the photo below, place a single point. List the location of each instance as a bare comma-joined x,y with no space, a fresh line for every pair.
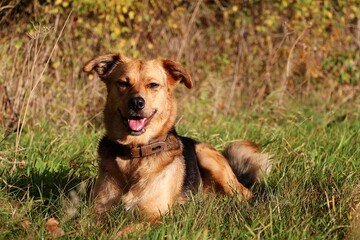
243,192
247,194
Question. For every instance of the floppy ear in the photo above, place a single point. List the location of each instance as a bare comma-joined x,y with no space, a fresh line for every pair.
176,73
104,65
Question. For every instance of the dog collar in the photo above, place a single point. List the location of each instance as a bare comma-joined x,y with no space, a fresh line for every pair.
168,142
145,150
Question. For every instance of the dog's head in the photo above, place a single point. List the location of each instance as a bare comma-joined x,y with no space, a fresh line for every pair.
140,105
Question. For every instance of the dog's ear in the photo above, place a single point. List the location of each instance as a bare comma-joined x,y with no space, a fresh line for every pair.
104,65
176,73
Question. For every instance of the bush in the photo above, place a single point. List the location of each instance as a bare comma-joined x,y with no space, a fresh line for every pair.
239,53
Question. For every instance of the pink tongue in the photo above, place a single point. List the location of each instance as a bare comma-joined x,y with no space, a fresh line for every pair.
137,124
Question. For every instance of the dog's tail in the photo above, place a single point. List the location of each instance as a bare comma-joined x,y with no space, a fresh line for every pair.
248,164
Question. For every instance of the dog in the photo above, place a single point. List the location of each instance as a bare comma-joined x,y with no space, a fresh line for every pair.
144,163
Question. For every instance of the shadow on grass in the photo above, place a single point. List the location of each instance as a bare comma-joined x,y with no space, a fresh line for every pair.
46,187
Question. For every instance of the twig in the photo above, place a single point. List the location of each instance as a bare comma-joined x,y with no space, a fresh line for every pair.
191,22
8,100
236,71
10,7
357,36
9,185
7,7
288,64
14,116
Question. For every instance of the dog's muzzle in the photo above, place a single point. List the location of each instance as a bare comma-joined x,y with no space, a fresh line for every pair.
136,122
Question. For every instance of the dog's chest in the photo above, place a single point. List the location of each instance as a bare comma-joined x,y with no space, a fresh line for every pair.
160,178
145,168
126,166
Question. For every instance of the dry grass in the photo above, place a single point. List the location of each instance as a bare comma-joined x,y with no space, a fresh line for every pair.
289,85
234,64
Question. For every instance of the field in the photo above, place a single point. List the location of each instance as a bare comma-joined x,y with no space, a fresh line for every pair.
295,92
312,192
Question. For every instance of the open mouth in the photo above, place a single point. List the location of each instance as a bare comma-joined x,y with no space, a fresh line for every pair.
136,124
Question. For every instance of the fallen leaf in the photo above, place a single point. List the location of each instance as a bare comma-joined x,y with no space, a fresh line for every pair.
52,226
26,224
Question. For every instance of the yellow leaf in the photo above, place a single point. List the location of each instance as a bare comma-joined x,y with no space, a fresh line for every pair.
18,44
150,46
56,64
131,14
139,18
65,4
226,14
122,18
118,9
329,14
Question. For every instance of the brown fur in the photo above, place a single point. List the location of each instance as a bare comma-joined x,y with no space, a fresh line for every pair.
154,183
247,162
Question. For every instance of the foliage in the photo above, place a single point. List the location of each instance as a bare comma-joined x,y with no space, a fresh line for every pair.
238,52
253,64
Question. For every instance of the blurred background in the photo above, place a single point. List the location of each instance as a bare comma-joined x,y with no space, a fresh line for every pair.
240,54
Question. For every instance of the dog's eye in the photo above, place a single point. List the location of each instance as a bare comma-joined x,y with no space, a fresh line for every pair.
153,85
123,84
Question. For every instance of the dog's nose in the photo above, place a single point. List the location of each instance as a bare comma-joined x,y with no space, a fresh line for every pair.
136,103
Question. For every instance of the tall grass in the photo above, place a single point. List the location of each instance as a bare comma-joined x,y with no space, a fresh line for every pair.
260,84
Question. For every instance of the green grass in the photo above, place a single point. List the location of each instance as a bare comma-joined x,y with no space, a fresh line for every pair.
309,194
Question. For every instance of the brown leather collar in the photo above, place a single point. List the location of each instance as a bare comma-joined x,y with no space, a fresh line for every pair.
145,150
167,143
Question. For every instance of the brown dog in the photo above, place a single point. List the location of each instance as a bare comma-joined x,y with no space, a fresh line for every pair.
144,163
